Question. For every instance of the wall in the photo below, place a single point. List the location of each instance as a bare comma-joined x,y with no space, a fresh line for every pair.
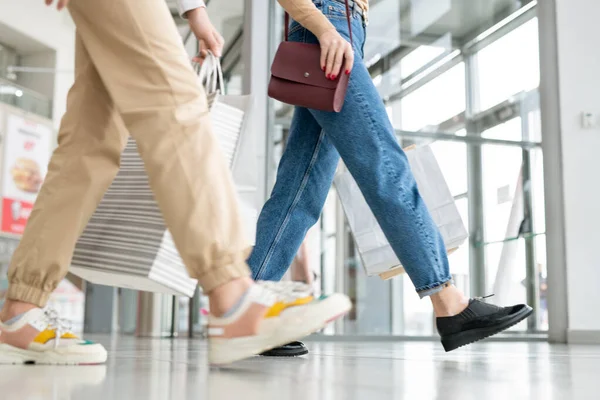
54,30
578,64
41,83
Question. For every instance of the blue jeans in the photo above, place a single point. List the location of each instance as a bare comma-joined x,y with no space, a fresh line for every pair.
363,136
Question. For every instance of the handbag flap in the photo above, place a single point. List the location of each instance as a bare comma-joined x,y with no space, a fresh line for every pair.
301,62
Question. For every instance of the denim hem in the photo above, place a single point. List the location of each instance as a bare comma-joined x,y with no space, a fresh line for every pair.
430,290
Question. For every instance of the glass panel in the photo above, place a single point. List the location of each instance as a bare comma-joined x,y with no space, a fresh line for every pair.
510,130
413,65
418,314
331,278
459,259
542,268
509,65
25,99
433,103
502,191
537,191
384,29
452,158
423,55
8,57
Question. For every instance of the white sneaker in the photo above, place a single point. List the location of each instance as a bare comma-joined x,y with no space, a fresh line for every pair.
273,314
41,337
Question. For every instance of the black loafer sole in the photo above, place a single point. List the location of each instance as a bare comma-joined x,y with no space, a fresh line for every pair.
284,351
453,342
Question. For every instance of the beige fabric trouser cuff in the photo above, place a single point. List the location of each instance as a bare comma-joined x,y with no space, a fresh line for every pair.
221,274
28,294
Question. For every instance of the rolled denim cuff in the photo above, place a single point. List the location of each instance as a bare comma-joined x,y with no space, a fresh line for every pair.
187,5
433,289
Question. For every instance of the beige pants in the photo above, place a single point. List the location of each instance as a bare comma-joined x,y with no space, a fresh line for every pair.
132,77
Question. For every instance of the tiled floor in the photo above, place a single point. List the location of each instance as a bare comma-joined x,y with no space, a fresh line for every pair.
164,370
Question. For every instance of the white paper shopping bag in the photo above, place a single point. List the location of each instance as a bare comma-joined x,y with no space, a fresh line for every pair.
377,255
126,242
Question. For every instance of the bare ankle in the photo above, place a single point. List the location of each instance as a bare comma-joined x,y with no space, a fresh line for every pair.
12,308
449,302
222,298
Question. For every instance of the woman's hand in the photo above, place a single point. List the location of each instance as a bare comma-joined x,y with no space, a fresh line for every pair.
205,32
61,3
336,52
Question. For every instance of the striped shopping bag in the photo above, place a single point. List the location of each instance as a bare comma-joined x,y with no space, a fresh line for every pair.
126,243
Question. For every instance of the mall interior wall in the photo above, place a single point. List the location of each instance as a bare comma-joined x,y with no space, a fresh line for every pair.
55,33
42,83
570,87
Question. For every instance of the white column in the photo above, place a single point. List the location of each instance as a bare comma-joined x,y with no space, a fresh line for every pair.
256,62
570,64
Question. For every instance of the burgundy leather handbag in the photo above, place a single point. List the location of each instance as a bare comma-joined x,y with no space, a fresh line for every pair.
297,78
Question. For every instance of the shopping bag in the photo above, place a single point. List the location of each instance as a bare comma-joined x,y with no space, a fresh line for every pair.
240,150
126,243
378,257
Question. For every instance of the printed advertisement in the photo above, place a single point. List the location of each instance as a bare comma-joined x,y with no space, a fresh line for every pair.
27,146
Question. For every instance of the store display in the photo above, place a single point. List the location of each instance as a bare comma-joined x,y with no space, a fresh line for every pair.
26,154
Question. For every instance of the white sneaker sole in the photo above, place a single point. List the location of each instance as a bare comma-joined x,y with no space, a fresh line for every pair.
299,322
95,354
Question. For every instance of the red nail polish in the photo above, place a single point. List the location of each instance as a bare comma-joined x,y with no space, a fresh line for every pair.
347,72
333,77
328,76
323,68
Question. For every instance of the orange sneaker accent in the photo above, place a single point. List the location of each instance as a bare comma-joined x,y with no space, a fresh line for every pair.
280,306
49,334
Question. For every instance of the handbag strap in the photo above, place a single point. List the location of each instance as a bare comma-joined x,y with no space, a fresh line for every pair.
287,22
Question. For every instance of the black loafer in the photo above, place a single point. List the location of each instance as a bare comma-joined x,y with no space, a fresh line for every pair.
479,321
293,349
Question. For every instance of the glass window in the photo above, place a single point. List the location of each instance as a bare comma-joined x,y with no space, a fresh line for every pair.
509,130
509,65
502,192
452,159
383,31
434,102
541,265
506,271
423,55
537,191
459,259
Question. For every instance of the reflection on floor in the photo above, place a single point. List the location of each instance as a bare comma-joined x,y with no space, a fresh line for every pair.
164,370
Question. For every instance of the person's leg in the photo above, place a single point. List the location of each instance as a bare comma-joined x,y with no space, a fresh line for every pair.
141,60
90,141
304,177
365,138
143,64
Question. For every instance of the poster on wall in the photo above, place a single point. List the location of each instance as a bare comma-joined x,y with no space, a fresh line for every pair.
27,146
